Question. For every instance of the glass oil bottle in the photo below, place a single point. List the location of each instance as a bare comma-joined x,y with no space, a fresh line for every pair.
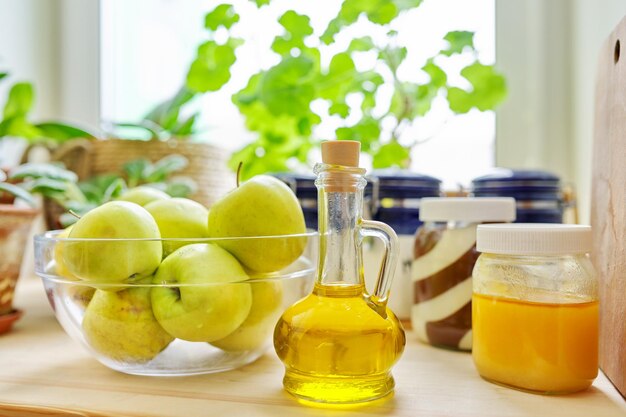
339,343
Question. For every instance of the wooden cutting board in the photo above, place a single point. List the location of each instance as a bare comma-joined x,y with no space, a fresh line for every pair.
608,211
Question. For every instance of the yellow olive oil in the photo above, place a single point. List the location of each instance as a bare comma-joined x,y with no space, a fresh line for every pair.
336,346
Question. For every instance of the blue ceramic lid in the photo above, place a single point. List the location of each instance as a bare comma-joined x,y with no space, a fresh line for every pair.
397,183
520,184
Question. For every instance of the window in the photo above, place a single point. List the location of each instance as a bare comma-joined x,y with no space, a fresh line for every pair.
147,45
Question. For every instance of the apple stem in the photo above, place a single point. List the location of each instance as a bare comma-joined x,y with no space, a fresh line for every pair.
73,213
239,172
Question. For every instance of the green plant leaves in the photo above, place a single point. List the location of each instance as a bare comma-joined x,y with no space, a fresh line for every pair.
458,40
287,87
366,131
260,3
362,44
17,192
61,131
380,12
223,15
37,170
488,89
391,154
166,114
297,28
211,68
140,171
20,101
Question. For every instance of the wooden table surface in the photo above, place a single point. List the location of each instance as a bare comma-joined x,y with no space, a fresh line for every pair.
45,373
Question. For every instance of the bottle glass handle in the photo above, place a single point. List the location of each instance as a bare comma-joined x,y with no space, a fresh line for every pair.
389,238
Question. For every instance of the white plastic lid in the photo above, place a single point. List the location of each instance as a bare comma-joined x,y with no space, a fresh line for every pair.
533,239
469,209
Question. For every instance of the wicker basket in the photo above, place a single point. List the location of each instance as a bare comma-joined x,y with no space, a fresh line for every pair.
207,163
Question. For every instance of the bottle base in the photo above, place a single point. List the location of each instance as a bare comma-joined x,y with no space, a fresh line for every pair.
338,389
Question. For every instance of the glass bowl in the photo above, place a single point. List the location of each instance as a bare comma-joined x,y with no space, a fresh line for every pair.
196,311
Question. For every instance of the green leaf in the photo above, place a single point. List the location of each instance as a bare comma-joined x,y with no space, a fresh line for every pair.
341,109
160,170
166,113
186,127
390,155
367,131
297,28
488,89
260,3
336,83
222,15
297,25
385,13
61,132
18,192
135,171
393,56
114,190
362,44
379,12
287,87
438,77
20,127
41,170
3,74
20,100
412,100
407,4
458,40
211,69
47,187
181,187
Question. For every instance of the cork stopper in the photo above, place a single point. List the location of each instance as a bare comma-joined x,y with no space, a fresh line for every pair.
341,152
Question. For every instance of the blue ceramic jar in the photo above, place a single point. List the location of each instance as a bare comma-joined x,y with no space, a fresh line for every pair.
538,194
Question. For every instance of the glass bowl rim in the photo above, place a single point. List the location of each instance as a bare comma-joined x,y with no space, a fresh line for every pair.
50,236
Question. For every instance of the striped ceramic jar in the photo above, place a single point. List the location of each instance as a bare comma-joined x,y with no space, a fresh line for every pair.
444,257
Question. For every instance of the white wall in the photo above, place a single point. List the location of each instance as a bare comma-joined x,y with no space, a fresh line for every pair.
548,50
29,51
54,45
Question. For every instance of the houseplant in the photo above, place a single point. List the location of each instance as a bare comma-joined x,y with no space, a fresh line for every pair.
65,197
16,123
17,213
277,102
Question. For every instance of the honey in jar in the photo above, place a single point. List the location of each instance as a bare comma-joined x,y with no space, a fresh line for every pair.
535,307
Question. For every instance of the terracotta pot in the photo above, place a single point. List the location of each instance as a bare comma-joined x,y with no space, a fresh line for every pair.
15,225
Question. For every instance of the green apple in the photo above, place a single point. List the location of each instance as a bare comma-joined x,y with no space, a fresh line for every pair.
121,326
112,258
61,268
143,195
179,217
256,329
203,298
262,206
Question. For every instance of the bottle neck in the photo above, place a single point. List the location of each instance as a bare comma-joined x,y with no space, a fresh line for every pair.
340,213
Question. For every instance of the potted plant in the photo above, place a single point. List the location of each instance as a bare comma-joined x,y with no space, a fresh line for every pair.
65,197
276,103
16,126
17,212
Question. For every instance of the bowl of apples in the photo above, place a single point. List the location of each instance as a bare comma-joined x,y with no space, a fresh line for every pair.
162,286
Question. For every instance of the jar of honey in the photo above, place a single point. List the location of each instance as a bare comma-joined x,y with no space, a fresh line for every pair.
535,307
